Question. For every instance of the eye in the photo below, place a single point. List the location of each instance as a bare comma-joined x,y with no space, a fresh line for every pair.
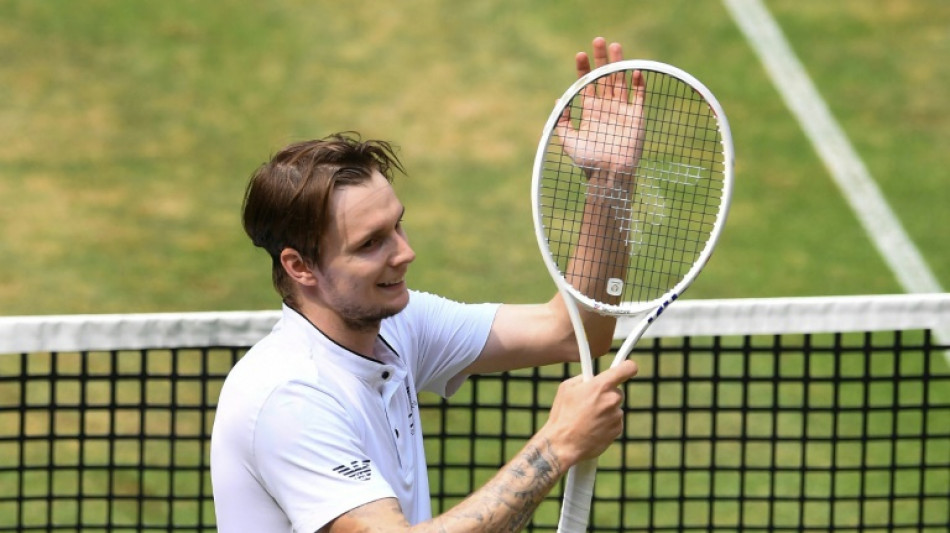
369,244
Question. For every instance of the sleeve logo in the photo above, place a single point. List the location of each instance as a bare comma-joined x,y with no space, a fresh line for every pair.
358,470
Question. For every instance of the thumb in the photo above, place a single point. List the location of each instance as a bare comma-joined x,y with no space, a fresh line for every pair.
563,124
616,375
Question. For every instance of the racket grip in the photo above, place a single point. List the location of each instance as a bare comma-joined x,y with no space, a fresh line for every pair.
578,494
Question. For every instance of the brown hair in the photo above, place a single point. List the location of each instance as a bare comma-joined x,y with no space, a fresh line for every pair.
286,203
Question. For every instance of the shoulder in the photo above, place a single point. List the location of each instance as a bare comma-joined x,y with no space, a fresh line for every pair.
430,317
425,306
280,359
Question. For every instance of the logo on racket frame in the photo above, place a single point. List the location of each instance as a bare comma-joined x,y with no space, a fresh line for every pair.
614,286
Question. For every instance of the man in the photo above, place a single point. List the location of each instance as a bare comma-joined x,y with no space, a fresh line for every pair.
317,427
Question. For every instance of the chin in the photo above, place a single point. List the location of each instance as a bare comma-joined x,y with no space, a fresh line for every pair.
401,304
392,306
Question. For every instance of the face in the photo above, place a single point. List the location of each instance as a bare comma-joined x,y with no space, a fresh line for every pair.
365,255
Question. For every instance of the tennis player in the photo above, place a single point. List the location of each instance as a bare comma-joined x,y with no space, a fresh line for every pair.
317,426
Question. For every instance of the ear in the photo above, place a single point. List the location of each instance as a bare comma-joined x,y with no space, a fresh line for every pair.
298,268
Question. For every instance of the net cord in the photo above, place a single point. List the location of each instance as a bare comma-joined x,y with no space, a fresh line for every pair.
824,314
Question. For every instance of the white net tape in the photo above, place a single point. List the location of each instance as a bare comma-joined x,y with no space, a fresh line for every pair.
27,334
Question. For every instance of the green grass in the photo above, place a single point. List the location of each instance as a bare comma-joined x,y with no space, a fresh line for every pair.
128,130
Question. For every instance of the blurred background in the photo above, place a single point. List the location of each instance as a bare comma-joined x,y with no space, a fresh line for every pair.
128,131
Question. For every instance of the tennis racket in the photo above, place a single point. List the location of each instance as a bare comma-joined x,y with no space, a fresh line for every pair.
631,186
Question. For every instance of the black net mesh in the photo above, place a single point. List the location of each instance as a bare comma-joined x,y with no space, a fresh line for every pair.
845,432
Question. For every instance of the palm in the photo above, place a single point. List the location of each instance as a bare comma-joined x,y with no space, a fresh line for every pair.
609,135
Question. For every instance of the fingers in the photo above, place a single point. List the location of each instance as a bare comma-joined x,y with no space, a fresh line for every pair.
639,88
615,52
600,51
582,64
587,416
600,59
614,86
618,81
603,54
610,379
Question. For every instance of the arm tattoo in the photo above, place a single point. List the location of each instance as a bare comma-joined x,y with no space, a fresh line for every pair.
508,501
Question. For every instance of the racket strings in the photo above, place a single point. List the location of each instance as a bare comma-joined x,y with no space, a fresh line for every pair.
621,206
666,219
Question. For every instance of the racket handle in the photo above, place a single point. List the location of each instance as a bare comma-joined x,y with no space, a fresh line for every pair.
579,487
578,494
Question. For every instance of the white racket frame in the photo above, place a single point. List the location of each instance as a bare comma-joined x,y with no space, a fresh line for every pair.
578,491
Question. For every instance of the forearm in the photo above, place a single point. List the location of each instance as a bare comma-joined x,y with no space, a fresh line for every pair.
508,501
585,418
602,250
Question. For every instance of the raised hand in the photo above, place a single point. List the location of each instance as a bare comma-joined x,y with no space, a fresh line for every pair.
609,135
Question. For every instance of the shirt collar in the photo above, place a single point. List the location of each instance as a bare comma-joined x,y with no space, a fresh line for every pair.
383,374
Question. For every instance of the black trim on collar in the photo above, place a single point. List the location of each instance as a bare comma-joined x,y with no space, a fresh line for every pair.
390,346
331,339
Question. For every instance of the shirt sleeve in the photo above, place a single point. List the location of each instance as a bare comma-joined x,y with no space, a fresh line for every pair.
311,459
446,336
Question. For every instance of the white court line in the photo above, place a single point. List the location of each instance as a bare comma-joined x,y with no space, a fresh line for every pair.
826,136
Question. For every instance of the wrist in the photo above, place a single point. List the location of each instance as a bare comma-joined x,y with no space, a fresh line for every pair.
556,448
609,191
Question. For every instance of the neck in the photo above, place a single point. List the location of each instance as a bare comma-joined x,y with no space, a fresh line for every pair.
359,337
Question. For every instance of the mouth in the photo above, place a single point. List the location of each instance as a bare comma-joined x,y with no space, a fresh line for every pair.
392,284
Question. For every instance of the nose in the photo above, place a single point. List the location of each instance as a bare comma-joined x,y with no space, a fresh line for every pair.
404,253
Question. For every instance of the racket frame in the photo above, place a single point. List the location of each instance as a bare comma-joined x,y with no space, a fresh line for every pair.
658,305
578,491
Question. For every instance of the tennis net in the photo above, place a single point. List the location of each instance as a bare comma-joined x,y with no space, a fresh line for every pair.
807,414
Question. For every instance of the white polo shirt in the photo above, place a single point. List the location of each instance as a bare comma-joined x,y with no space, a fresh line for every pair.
306,430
